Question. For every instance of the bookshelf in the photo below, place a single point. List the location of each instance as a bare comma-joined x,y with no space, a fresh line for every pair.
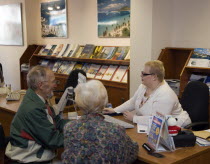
118,92
175,61
25,59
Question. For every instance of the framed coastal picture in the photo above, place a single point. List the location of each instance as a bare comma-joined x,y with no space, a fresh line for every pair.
53,19
11,32
114,18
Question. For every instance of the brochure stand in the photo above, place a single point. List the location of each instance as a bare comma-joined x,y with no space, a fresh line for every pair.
159,138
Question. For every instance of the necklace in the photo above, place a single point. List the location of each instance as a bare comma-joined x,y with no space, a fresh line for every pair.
146,98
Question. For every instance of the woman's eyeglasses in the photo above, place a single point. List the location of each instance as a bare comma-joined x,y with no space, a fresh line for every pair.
146,74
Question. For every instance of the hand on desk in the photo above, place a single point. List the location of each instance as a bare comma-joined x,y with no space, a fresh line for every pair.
108,111
128,115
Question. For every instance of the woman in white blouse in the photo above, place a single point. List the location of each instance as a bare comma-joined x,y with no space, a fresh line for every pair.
153,95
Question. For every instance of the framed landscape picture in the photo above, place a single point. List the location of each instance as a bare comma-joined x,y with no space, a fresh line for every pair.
53,19
11,32
114,19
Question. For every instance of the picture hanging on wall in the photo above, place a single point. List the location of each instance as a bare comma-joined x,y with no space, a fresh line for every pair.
114,19
53,19
11,32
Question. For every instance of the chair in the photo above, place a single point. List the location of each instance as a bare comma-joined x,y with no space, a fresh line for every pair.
195,100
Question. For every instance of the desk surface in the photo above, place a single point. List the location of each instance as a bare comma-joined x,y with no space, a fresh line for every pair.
189,155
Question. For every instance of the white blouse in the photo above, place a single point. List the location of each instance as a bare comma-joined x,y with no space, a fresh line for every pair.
162,100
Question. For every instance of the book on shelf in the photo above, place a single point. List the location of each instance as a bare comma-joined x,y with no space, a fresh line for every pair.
63,50
41,50
87,51
51,64
44,62
194,77
96,52
78,66
200,58
78,52
74,48
119,74
64,54
51,50
57,50
92,71
86,67
107,52
116,53
127,57
46,49
109,72
68,49
56,66
101,72
63,67
70,67
124,52
125,78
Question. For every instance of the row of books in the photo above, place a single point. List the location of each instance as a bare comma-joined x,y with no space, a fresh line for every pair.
202,78
88,51
96,71
200,58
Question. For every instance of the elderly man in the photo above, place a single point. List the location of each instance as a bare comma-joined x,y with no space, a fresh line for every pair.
36,130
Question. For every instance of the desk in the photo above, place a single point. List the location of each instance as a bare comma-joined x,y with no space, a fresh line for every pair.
190,155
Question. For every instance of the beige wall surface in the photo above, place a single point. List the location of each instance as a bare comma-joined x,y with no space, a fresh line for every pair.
155,24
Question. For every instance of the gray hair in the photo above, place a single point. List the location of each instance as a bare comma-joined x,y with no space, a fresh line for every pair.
36,75
91,97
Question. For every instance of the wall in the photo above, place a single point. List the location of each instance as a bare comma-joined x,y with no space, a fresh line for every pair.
191,23
141,39
155,24
82,19
162,26
9,55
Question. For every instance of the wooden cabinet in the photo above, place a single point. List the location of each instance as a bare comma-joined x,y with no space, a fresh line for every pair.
117,92
25,59
175,60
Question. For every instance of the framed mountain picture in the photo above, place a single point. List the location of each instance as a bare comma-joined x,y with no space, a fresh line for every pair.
53,19
114,19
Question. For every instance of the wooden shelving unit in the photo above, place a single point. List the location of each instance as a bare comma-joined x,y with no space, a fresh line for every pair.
25,59
117,92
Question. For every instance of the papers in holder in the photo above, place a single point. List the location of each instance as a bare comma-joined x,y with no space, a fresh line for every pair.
117,121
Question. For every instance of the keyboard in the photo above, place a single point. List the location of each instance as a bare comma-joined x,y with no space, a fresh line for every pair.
117,121
13,96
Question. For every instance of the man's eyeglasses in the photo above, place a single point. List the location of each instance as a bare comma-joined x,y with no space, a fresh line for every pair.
146,74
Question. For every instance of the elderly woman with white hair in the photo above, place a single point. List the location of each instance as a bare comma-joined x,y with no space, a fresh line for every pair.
91,139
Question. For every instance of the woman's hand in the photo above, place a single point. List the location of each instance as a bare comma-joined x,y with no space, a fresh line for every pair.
128,115
108,111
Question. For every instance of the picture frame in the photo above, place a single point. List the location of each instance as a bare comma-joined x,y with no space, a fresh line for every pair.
11,30
113,19
53,19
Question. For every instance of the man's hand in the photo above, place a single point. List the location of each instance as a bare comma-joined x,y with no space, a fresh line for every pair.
128,115
108,111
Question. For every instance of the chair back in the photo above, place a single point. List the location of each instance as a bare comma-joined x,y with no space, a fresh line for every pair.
195,100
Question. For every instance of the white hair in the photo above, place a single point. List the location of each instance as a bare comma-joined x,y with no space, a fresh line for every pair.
91,97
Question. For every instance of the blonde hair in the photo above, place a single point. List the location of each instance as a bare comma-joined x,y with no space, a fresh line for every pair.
157,68
91,97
